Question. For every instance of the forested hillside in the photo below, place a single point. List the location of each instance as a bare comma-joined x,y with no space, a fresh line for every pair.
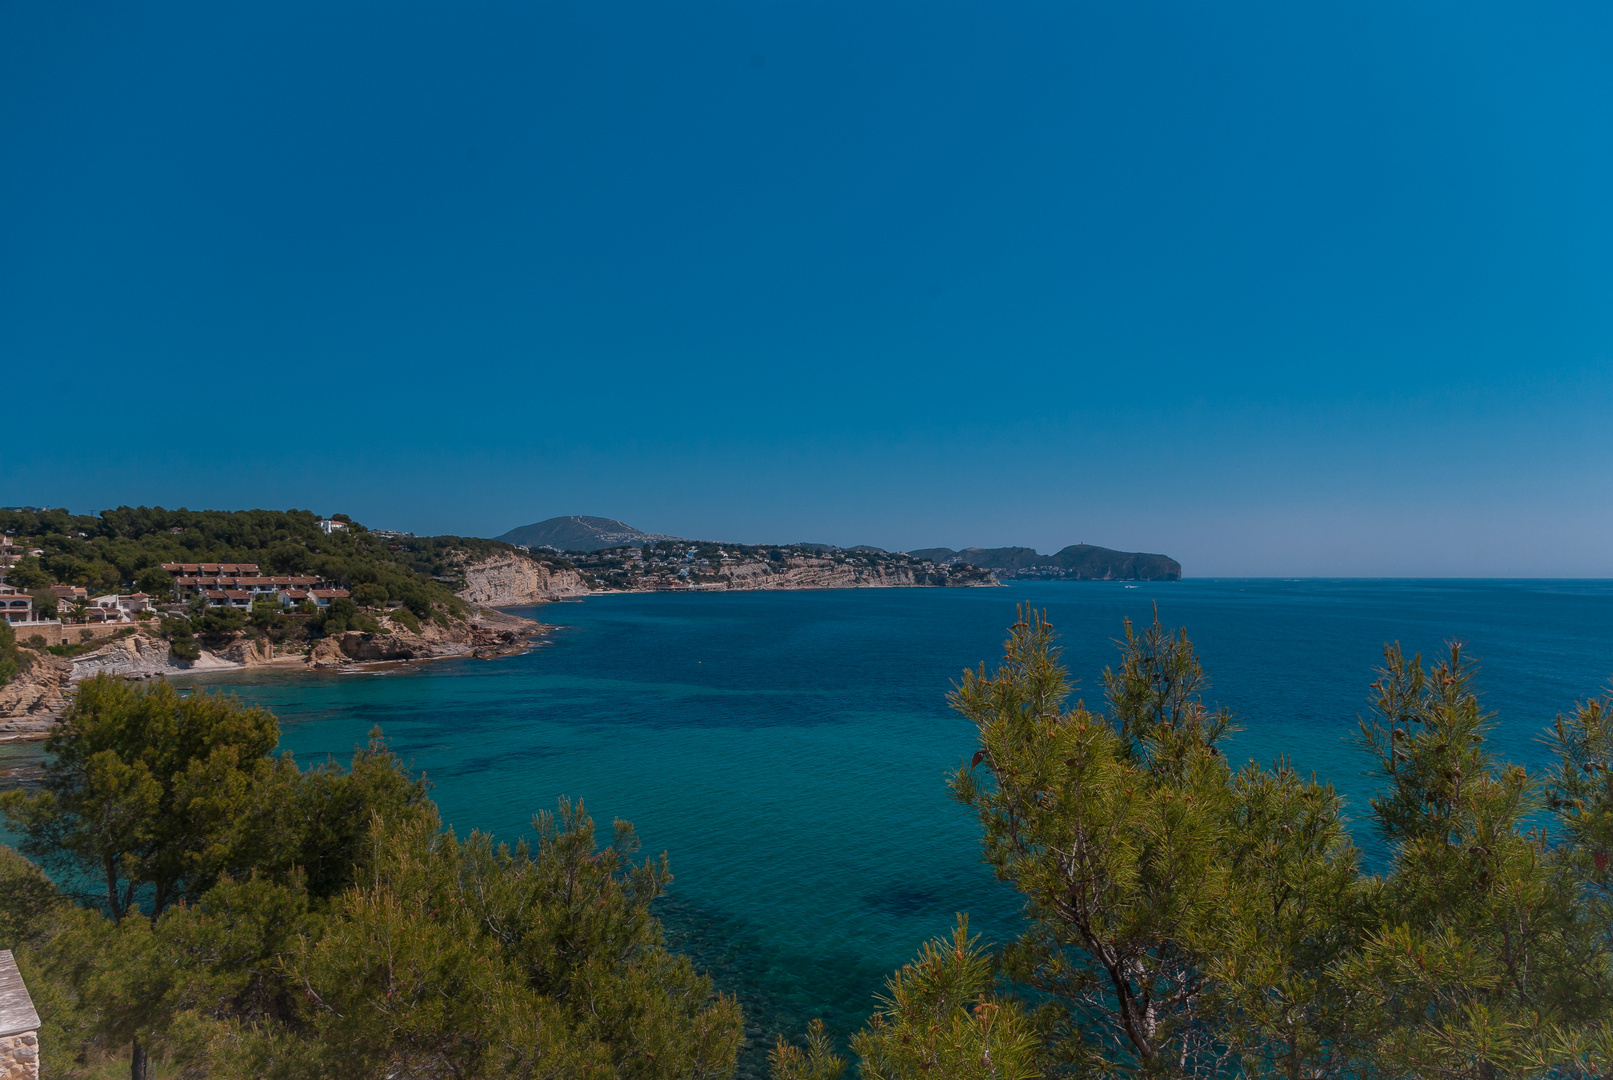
127,547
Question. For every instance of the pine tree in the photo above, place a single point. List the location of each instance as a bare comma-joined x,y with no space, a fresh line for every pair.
1483,954
1174,909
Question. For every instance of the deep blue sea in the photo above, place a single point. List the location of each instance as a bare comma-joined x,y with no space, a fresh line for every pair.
789,750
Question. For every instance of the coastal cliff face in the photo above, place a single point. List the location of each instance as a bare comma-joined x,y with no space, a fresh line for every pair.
513,580
141,655
31,702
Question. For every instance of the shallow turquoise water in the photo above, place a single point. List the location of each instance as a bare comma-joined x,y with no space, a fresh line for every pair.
788,750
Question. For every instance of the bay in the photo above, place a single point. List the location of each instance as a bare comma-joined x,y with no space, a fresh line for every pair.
789,750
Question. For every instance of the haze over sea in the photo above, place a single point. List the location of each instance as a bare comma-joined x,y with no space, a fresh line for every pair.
789,749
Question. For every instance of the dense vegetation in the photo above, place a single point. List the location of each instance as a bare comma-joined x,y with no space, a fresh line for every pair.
1185,918
128,546
411,578
11,661
238,916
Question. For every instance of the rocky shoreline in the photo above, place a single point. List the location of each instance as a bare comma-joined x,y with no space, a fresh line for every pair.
32,702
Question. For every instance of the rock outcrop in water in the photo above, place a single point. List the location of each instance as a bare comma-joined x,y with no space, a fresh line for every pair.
487,634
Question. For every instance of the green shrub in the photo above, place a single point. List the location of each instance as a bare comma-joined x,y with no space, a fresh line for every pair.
28,574
342,615
370,595
156,581
10,659
181,639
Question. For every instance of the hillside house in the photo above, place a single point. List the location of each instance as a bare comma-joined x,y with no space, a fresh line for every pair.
211,569
185,587
237,585
124,607
17,605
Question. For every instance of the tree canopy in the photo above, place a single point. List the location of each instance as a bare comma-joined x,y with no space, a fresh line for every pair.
1185,918
130,544
239,916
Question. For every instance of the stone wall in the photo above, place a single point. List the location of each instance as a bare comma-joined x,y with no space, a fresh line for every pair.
67,633
19,1024
19,1056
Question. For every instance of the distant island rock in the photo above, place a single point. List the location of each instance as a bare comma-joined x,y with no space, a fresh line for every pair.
579,533
1078,562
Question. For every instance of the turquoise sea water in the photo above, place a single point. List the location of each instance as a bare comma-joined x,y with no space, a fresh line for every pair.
789,750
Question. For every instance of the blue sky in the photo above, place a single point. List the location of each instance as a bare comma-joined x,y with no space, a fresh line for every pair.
1275,288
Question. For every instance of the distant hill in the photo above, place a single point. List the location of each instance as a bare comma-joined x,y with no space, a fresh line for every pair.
1081,562
1094,563
578,533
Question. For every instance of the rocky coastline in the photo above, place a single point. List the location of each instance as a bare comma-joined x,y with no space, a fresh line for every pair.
517,580
32,702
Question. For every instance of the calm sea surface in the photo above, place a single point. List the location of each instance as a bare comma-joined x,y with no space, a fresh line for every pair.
789,750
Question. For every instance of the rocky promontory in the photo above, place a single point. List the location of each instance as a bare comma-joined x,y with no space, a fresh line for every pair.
512,579
32,702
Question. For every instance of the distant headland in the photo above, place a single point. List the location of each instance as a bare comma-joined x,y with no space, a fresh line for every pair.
1078,562
596,538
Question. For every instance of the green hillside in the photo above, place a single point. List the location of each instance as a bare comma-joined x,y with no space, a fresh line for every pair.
122,549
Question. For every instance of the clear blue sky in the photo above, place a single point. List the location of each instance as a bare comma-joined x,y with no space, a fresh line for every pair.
1276,288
